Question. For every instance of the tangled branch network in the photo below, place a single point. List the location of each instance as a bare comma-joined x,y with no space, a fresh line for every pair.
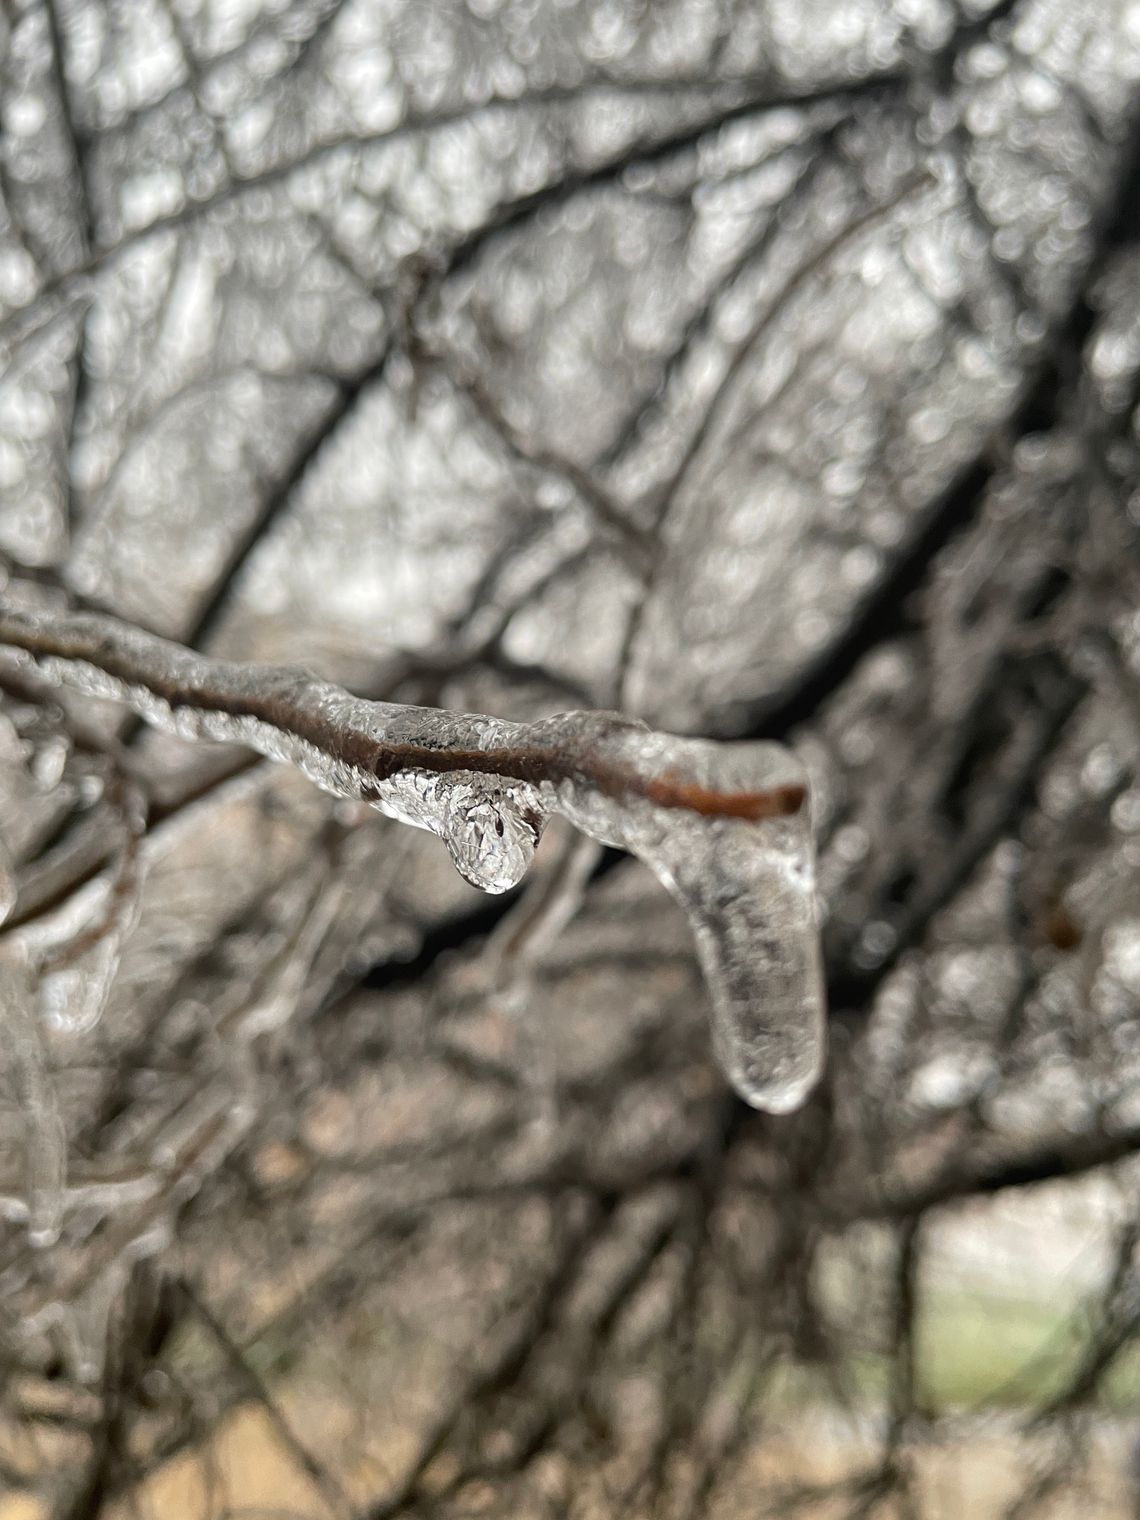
726,827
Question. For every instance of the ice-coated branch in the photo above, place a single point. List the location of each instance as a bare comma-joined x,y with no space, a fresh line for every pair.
726,827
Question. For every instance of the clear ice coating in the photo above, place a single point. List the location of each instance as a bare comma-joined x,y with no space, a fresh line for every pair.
748,888
45,1146
690,809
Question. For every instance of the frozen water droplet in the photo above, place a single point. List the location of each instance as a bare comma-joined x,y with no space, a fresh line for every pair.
876,942
490,841
91,789
9,891
73,998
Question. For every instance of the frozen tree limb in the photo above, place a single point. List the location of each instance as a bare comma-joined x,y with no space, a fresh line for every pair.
45,1145
486,356
725,827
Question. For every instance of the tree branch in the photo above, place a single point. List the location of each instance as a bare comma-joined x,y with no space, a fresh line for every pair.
725,827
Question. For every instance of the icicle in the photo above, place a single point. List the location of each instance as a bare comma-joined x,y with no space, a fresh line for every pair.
8,888
276,999
525,934
75,980
490,838
45,1145
726,827
748,887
